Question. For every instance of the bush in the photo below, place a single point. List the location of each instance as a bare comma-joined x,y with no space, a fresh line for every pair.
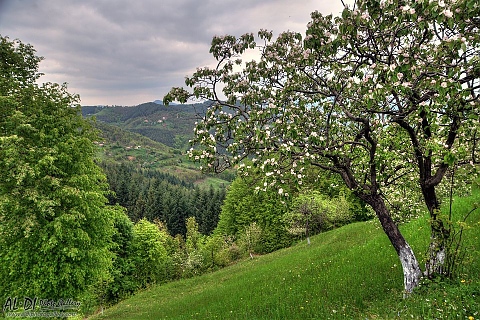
149,255
193,263
313,212
244,205
341,213
216,252
122,284
250,240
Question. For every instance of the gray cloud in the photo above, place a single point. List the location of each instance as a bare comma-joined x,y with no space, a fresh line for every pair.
130,52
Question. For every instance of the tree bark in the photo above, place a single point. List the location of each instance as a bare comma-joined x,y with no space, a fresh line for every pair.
410,266
439,235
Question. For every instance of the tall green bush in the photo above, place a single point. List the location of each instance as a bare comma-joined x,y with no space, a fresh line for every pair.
149,255
122,283
244,205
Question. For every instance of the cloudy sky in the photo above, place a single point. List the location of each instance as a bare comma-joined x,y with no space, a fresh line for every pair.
127,52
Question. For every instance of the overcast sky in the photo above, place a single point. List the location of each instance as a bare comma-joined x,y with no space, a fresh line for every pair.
128,52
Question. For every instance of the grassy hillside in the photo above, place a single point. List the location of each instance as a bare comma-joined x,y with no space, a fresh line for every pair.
119,145
348,273
152,136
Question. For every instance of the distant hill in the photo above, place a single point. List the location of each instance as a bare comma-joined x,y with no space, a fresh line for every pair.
152,136
161,102
171,125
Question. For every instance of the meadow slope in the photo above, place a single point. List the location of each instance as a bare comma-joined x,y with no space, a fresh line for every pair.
348,273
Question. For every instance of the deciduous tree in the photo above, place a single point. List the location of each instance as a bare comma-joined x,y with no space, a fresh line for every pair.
384,95
246,204
55,226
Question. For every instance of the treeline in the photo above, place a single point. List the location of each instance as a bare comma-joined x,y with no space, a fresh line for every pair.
168,137
158,196
127,114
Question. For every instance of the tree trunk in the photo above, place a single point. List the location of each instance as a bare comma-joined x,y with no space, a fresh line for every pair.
410,266
439,236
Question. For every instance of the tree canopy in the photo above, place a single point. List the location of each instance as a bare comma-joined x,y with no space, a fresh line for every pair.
55,226
385,95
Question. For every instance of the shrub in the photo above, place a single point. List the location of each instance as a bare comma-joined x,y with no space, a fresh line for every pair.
313,212
216,252
149,256
244,205
122,284
250,240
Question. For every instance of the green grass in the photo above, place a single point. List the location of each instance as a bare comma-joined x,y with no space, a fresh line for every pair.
348,273
212,181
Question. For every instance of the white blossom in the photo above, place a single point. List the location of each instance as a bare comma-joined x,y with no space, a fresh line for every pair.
447,13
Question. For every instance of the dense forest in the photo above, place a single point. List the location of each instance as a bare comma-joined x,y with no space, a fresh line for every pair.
154,195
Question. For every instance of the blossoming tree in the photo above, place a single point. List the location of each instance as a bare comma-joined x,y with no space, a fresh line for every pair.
386,96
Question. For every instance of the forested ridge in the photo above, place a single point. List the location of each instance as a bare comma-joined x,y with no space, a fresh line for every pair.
170,125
